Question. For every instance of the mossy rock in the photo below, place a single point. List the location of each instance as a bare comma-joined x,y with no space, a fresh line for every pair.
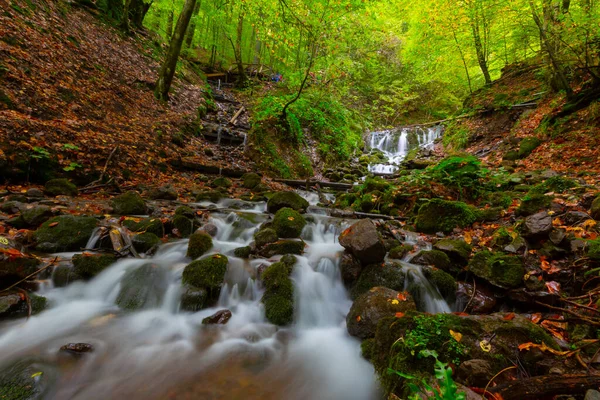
251,180
260,188
499,199
558,184
435,258
145,242
389,275
501,238
14,305
36,215
399,252
511,155
143,288
209,195
592,249
372,184
488,214
130,203
60,187
149,225
288,223
291,200
207,273
279,293
501,270
459,251
89,265
533,203
528,145
193,299
265,236
186,211
184,226
162,193
222,182
242,252
282,247
595,209
63,275
64,233
200,242
442,280
443,216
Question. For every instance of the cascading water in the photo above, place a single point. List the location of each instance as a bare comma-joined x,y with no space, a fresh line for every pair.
396,143
161,352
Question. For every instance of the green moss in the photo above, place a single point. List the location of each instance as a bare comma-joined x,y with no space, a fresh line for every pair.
265,236
186,211
487,214
150,225
207,273
389,275
130,203
398,252
533,203
193,299
511,155
527,146
459,251
143,288
89,265
443,216
64,275
501,238
283,247
367,348
36,215
499,269
499,199
58,187
288,223
435,258
199,244
144,242
372,184
556,184
593,249
184,226
242,252
291,200
222,182
595,209
445,283
279,294
64,233
210,195
251,180
279,310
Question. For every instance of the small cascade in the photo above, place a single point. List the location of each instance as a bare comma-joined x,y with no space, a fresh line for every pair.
397,143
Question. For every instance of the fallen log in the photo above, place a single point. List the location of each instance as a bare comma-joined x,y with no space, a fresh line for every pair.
207,169
310,183
542,387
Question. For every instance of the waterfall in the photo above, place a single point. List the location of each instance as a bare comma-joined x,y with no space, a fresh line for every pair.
397,143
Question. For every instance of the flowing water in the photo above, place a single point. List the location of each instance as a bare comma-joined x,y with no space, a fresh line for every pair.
162,353
396,143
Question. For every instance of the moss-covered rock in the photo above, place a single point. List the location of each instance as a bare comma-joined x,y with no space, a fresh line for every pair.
282,247
193,299
279,293
64,275
533,203
501,270
143,288
445,282
511,155
265,236
60,187
186,211
593,249
222,182
200,242
364,242
528,145
89,265
130,203
435,258
13,269
291,200
399,252
288,223
459,251
209,195
389,275
207,273
595,209
250,180
64,233
242,252
36,215
145,242
150,225
162,193
184,226
443,216
14,305
374,305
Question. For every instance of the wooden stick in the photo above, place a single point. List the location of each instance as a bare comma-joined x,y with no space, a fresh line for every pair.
541,387
236,115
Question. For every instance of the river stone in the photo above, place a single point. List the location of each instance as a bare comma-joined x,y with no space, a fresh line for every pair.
592,394
389,275
150,225
15,265
36,215
475,373
221,317
87,265
130,203
265,236
143,288
500,270
283,247
34,193
350,268
211,229
363,240
439,215
250,180
11,207
64,233
399,252
200,242
482,302
193,299
58,187
242,252
458,250
77,349
146,242
13,304
287,199
184,225
207,273
571,218
24,380
537,226
370,307
443,281
288,223
435,258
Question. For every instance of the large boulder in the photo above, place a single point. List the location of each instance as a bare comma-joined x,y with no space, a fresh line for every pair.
265,236
287,199
389,274
279,293
207,273
200,242
64,233
251,180
288,223
443,281
143,288
350,268
364,242
482,301
505,271
537,226
87,265
183,225
58,187
130,203
374,305
439,215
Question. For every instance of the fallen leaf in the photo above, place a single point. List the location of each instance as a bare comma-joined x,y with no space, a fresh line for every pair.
358,318
553,287
485,346
509,317
456,335
535,318
399,314
52,224
468,237
402,296
395,301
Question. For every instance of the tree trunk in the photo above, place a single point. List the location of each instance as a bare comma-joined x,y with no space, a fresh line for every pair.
479,46
125,16
283,116
139,9
165,76
170,18
242,79
189,38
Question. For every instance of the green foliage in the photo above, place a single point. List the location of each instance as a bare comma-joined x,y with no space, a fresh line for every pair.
463,173
455,137
430,332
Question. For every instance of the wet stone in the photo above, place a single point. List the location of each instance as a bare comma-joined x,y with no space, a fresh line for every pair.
77,349
219,318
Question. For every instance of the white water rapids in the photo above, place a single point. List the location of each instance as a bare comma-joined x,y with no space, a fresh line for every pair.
396,143
163,353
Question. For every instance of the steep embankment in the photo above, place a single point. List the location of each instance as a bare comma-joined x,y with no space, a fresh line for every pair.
73,88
